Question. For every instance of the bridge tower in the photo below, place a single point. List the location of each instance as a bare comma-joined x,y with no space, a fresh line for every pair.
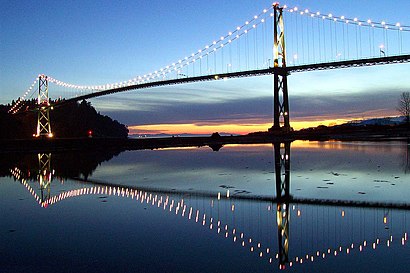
44,175
43,115
280,81
282,175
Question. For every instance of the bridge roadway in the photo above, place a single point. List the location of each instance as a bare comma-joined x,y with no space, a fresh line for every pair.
249,73
257,198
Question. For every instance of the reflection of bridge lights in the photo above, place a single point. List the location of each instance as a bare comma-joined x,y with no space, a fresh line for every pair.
180,206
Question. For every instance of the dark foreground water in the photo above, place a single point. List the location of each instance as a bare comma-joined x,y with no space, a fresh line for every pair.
299,207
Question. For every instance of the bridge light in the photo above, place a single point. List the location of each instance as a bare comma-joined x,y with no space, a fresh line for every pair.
330,15
246,23
383,23
355,19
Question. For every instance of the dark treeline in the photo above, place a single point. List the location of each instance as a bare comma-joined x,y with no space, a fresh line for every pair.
71,120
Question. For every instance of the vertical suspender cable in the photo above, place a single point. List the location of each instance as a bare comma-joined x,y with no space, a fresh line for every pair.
348,39
337,53
303,46
320,44
313,39
357,47
331,40
360,42
370,43
307,36
239,54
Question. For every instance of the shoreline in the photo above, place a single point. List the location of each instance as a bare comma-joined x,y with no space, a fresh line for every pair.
215,141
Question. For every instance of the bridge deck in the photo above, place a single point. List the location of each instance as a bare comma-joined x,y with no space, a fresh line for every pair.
249,73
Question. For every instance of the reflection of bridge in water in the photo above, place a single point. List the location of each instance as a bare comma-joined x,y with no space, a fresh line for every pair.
305,230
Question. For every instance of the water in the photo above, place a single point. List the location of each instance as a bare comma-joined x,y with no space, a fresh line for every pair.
301,207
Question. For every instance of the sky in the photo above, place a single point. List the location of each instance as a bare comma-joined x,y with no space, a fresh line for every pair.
93,43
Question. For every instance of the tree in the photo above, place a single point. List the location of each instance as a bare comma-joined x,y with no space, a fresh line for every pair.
404,106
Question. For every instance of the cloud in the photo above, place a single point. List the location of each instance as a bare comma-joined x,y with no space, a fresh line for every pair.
233,111
369,103
249,101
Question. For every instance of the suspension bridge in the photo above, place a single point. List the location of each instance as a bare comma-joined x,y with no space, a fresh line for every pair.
281,230
278,41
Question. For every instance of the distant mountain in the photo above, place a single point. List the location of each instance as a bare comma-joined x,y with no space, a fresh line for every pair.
176,135
379,121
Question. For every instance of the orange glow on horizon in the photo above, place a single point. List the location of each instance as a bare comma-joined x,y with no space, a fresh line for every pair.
241,129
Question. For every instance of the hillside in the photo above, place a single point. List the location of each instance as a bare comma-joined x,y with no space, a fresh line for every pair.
71,121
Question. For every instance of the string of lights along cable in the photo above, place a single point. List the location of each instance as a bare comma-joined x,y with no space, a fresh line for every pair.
312,37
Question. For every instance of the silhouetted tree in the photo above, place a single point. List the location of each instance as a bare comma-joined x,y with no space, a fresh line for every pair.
404,106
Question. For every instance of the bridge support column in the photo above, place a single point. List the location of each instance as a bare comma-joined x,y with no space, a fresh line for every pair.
282,175
43,115
280,82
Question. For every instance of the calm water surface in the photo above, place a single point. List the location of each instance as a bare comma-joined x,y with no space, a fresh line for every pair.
298,207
